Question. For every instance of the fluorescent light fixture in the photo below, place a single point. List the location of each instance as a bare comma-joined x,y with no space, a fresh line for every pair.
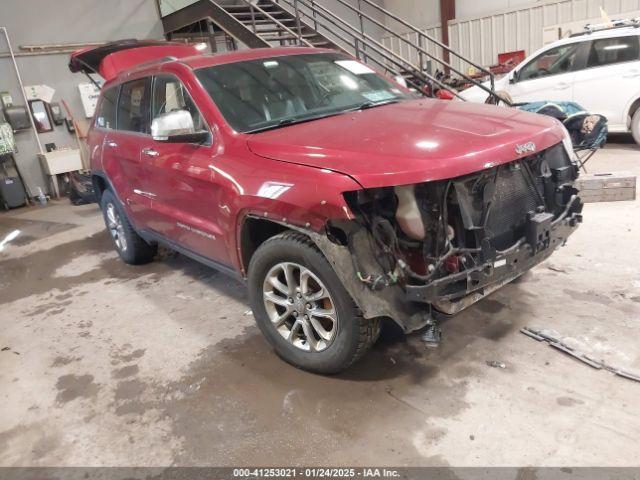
270,64
620,46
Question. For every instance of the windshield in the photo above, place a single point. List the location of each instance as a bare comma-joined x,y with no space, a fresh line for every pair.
268,93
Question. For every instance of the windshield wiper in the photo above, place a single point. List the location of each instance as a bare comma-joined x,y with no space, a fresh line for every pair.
293,120
281,123
371,104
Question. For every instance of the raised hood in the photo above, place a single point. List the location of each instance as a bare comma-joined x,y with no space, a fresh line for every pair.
411,142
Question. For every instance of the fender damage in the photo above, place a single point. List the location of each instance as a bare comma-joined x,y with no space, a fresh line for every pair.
412,251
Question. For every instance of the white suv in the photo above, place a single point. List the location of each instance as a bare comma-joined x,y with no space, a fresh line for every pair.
599,70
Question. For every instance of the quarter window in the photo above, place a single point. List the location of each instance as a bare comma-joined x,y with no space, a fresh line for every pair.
133,106
554,61
607,51
106,116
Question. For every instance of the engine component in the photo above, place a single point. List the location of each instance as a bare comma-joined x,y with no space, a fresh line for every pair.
408,214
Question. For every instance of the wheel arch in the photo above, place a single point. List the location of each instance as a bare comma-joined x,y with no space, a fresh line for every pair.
389,303
100,184
633,108
254,231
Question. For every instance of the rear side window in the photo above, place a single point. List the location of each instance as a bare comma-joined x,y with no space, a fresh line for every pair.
133,106
106,115
607,51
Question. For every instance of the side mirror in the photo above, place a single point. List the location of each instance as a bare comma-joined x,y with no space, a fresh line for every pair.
176,127
513,77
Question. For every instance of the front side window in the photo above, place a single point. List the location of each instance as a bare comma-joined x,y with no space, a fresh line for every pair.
554,61
271,92
169,95
106,114
607,51
133,106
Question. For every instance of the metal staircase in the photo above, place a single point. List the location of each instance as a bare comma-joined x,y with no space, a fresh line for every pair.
257,26
270,23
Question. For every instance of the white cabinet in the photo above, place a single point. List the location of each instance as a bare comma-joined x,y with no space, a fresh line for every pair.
60,161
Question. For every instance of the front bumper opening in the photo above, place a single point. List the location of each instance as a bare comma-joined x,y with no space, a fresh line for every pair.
498,267
449,243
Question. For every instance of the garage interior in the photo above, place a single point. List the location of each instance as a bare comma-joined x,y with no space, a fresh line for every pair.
108,364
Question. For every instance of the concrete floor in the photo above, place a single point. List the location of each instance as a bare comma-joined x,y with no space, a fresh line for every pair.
107,364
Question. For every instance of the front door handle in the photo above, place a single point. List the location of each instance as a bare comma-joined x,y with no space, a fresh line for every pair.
142,193
562,86
150,152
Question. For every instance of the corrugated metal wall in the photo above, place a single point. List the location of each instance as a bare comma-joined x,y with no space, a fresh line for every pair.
401,48
482,38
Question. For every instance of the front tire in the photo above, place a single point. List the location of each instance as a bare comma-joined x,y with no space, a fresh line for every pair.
130,246
303,309
635,126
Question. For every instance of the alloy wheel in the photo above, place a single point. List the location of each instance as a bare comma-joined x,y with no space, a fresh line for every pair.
300,307
116,229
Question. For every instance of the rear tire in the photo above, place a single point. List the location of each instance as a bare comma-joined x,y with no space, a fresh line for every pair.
303,309
130,246
635,126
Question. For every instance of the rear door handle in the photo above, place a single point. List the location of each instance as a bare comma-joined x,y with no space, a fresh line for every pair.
562,86
150,152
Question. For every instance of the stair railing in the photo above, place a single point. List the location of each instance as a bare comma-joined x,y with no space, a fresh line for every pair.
298,35
361,42
422,35
317,9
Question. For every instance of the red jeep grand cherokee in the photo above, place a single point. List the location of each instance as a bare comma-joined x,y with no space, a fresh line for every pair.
338,195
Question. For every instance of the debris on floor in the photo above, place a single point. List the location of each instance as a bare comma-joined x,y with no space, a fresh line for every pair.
432,335
495,364
556,269
81,191
553,340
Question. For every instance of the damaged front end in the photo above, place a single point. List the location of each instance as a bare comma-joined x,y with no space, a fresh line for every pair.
444,245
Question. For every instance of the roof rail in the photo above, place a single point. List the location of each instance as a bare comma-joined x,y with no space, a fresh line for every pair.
613,24
150,63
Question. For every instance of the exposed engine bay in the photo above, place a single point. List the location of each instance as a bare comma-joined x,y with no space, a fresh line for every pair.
446,244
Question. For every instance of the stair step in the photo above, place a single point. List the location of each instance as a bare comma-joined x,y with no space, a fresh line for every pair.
248,18
258,13
278,38
271,22
322,44
255,12
275,28
247,7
